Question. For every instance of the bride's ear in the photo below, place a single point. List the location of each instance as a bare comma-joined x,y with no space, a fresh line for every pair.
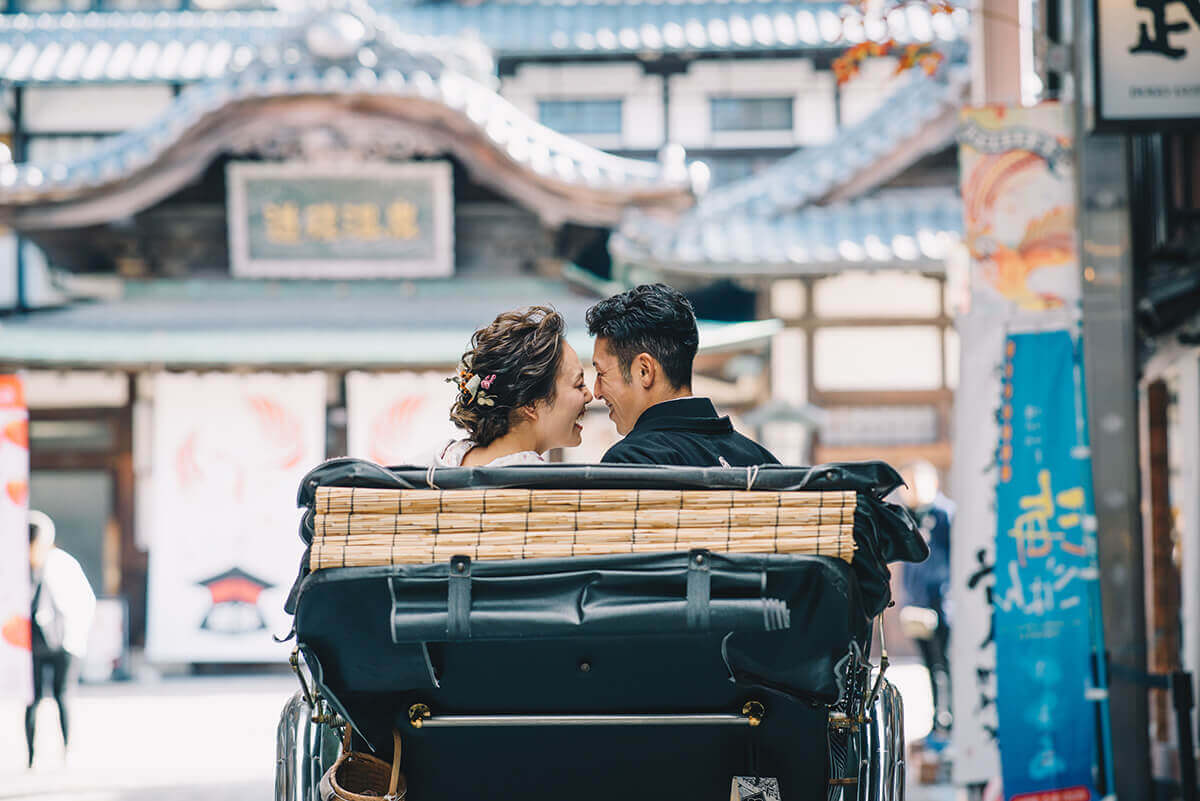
528,413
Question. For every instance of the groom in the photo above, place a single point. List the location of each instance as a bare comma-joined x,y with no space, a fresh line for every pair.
646,340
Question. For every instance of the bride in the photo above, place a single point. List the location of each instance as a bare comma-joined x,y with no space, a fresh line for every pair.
520,392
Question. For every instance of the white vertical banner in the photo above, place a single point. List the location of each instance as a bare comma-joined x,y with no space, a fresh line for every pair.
398,418
16,667
228,453
973,548
1018,189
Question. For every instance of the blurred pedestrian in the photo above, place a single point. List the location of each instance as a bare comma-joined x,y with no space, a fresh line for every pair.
925,617
61,616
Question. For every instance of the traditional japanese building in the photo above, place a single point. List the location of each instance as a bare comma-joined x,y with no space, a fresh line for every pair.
321,203
285,264
848,244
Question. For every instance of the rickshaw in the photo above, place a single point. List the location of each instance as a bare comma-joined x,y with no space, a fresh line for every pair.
647,668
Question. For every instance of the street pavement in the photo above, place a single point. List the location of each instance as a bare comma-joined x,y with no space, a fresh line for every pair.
213,739
912,680
178,739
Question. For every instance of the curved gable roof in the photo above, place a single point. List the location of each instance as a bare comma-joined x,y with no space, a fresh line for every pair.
807,213
380,97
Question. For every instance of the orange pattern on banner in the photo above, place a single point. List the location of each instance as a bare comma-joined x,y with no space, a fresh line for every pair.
207,450
12,394
17,491
390,427
237,590
17,432
1065,794
1008,257
280,429
186,467
17,633
1048,241
990,177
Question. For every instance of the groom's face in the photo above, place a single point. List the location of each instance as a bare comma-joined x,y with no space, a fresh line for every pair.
621,397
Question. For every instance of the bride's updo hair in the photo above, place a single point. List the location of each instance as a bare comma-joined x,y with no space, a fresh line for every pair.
516,358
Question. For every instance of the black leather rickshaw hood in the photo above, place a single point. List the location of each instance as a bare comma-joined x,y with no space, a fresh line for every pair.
791,624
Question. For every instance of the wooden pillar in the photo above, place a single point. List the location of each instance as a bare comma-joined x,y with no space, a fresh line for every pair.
133,560
1162,575
996,53
20,144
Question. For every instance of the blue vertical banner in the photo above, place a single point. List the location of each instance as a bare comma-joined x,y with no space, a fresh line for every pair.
1045,595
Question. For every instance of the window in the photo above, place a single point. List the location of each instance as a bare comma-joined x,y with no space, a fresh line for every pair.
727,169
877,357
39,6
57,149
751,113
880,425
877,294
71,435
581,116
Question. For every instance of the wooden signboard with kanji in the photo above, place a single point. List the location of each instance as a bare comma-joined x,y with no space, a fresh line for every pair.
334,221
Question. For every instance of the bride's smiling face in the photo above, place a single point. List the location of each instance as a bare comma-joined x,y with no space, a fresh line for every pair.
560,422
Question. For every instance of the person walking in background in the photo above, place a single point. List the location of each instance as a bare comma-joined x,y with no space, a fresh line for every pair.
61,616
925,616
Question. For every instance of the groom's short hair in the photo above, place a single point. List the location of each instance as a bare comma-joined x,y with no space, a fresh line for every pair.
653,319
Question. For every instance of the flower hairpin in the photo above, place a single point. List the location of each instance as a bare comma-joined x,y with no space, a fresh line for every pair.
472,385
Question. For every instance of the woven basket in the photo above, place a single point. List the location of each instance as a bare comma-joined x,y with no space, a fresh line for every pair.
357,776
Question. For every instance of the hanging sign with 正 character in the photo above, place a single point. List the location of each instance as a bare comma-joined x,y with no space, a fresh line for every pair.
1147,63
294,220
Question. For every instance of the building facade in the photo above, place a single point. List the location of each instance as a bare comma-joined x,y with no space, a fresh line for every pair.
164,156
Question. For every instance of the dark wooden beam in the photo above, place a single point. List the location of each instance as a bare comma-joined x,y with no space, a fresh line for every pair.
133,560
1164,580
19,147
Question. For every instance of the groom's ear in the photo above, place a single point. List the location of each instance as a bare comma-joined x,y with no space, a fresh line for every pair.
644,370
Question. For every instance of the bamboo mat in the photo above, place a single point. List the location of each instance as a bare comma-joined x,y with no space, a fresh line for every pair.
354,500
360,527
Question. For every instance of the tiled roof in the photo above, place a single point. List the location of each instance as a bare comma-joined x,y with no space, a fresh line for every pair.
770,223
813,172
367,324
897,227
534,27
395,65
185,46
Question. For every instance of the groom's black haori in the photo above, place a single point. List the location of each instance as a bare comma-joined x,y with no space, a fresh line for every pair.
687,431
